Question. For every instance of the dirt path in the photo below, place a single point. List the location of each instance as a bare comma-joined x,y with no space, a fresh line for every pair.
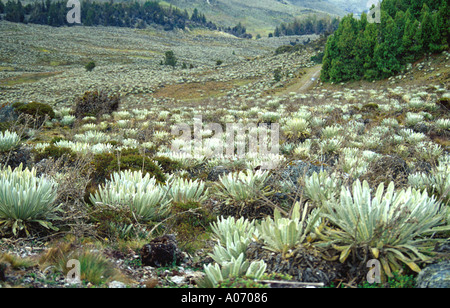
305,82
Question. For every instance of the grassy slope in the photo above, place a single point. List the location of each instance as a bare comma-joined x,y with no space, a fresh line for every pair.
260,16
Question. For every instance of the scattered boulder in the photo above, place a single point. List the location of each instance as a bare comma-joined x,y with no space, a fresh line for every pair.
161,251
217,172
299,168
436,276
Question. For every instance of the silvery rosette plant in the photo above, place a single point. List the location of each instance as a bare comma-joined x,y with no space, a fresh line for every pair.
25,199
282,234
243,186
390,226
437,182
186,191
8,140
141,194
224,227
320,187
232,236
297,128
235,268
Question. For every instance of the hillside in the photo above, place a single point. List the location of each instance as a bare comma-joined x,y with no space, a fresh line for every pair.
260,16
351,6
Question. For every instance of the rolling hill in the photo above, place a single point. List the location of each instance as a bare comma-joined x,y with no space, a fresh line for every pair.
260,16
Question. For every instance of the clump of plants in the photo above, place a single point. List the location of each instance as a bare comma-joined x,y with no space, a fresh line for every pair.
96,103
387,225
39,111
26,200
133,190
94,267
8,140
243,194
55,152
90,66
116,223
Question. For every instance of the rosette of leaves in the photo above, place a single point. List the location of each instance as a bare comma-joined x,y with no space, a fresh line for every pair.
145,198
243,186
224,227
297,128
282,234
320,187
390,226
186,191
236,268
26,199
437,182
8,140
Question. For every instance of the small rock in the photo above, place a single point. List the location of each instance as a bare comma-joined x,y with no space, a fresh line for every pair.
179,279
436,276
217,172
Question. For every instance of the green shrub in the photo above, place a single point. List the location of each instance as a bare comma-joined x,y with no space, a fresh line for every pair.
106,164
96,103
90,66
52,151
115,223
284,49
170,59
37,110
167,164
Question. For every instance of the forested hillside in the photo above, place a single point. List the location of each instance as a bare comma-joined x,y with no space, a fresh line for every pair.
409,29
309,25
119,14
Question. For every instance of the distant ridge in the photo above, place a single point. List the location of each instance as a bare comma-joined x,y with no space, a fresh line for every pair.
259,16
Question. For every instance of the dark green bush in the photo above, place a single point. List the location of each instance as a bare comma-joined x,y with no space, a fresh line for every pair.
106,164
284,49
39,111
96,103
90,66
55,152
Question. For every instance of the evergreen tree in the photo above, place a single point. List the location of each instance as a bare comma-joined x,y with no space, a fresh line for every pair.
387,51
444,22
14,11
410,45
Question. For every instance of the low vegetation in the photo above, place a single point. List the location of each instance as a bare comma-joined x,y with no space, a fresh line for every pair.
362,170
